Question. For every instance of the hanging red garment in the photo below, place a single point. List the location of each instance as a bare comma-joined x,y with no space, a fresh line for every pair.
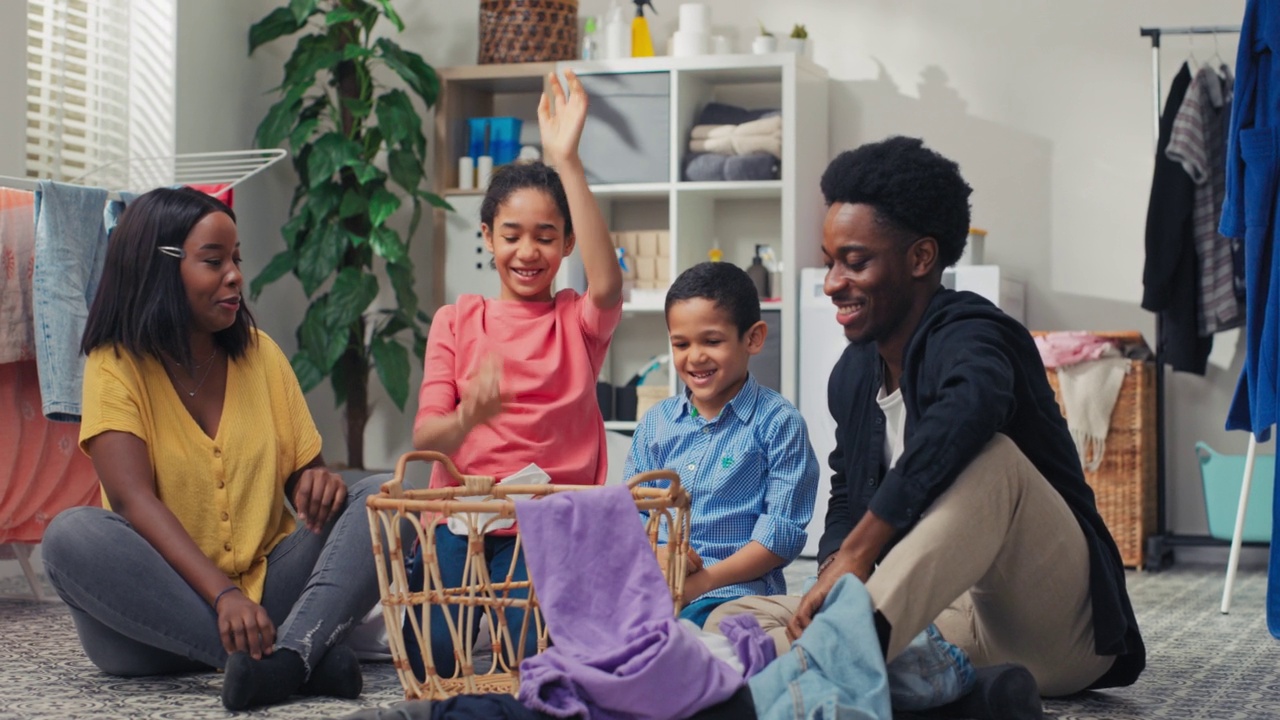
42,471
222,191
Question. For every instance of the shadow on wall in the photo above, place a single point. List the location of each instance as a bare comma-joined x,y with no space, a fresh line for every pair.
1010,171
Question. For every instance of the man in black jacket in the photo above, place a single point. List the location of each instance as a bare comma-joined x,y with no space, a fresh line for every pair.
957,495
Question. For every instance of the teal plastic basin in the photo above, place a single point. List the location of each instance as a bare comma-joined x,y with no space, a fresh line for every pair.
1222,476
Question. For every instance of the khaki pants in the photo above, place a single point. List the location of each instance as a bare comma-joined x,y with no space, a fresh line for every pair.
998,562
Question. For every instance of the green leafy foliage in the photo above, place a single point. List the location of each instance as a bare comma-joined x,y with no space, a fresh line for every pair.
358,148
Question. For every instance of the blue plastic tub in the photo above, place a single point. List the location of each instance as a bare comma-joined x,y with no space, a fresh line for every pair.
1222,477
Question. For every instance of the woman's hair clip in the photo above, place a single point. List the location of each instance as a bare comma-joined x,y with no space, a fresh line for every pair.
171,251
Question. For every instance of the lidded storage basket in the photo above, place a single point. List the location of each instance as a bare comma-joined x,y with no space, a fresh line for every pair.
516,31
481,595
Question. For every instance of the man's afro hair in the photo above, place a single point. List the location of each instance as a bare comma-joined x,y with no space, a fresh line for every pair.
914,190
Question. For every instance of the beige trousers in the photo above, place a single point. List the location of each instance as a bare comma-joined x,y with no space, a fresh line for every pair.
998,562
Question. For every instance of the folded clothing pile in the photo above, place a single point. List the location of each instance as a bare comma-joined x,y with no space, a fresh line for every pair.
733,143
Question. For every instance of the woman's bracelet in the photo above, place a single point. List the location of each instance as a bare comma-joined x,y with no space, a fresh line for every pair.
219,596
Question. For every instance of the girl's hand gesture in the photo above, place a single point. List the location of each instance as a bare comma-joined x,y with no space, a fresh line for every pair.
562,129
482,398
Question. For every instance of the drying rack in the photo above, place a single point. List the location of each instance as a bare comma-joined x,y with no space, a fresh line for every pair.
228,168
1160,546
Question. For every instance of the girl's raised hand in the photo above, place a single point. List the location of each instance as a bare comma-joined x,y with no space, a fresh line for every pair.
562,129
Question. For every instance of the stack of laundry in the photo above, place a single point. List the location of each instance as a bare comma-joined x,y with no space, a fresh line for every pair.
733,143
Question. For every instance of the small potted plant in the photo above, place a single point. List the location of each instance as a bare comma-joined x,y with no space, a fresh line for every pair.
765,42
797,41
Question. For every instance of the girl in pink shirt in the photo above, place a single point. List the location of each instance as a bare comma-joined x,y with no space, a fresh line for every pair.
511,380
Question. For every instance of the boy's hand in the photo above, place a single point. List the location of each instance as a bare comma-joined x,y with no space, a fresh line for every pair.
562,129
482,399
692,564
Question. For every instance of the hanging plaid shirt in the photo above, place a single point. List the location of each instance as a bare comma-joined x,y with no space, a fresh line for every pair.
750,472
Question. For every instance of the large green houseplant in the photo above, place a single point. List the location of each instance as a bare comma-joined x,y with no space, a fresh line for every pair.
359,152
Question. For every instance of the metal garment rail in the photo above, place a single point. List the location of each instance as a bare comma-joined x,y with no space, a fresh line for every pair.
1160,546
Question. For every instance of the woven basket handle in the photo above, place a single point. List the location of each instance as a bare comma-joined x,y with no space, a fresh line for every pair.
651,475
478,484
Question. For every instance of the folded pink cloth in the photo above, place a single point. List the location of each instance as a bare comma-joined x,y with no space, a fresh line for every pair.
1060,349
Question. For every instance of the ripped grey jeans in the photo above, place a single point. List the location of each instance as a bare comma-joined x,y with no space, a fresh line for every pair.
136,616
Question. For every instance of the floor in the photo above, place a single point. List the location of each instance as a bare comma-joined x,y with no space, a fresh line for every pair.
1201,664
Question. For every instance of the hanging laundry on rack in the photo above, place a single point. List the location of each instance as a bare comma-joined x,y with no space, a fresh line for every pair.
1249,212
1198,142
1169,273
17,264
70,250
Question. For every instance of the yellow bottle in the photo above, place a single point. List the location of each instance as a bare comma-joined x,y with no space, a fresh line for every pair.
641,40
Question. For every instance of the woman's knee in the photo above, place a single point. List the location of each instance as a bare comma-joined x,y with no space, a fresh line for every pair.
74,533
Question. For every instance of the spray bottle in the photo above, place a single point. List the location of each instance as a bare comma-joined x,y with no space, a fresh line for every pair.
617,33
641,40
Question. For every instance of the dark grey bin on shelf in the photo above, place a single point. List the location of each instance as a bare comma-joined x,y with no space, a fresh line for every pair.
627,138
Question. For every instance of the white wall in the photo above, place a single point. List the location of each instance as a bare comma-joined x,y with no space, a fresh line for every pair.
1046,105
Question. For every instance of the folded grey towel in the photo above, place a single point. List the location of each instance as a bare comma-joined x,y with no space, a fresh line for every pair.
755,166
705,167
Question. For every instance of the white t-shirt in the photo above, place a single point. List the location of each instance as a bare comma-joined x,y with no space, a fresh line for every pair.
895,424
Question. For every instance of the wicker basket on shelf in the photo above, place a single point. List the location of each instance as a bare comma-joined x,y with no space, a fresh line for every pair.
516,31
479,594
1125,483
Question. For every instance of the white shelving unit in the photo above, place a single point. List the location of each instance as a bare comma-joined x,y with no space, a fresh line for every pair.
785,213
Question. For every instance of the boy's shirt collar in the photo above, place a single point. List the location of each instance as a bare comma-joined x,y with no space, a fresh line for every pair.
743,405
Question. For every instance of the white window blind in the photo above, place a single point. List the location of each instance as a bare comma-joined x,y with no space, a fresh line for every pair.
101,89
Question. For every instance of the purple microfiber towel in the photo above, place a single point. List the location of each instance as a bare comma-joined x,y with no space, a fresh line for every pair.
754,648
618,651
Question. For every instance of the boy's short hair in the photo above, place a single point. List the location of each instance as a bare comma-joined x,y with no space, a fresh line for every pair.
726,285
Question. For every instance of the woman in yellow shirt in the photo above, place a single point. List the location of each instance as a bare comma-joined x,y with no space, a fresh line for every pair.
199,432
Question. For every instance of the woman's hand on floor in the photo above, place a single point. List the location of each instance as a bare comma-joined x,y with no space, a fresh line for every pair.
318,497
245,625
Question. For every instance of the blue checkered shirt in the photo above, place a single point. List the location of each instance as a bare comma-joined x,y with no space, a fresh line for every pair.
750,472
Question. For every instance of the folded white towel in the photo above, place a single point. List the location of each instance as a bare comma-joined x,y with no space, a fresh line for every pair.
1089,393
762,126
739,145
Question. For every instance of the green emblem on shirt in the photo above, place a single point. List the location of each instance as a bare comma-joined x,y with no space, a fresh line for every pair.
726,462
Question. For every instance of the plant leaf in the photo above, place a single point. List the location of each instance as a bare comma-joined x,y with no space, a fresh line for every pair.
280,118
401,275
353,51
411,68
350,296
331,152
320,256
341,15
280,265
382,205
305,369
392,363
302,9
278,23
367,173
323,200
302,131
357,107
399,122
322,342
353,203
391,14
405,169
386,243
338,380
435,200
296,227
312,54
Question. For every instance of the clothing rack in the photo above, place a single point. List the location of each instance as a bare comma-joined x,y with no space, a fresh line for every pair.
1160,546
229,168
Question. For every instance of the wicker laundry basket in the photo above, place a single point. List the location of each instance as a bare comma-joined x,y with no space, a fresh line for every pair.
1125,483
516,31
479,594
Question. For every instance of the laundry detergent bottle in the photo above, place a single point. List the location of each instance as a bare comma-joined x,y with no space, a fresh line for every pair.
641,40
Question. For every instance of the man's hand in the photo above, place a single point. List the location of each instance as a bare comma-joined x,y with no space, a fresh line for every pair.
842,563
319,495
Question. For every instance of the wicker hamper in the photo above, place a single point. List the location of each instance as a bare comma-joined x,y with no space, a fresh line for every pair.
1125,483
516,31
479,594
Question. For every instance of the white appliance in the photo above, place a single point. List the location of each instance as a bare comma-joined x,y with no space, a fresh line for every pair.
822,341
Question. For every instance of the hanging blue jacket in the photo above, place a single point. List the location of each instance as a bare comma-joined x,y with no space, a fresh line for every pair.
1249,211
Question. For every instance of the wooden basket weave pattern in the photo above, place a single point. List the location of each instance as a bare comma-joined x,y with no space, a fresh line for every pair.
516,31
1125,483
480,595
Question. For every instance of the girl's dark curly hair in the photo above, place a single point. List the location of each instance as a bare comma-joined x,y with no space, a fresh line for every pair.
517,176
915,191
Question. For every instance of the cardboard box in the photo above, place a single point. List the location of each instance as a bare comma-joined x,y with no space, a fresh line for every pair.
646,268
647,243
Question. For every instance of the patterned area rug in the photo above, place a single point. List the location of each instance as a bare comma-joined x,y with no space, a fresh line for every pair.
1201,665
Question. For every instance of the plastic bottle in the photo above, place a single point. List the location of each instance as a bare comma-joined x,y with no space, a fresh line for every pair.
641,40
759,274
590,48
617,33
